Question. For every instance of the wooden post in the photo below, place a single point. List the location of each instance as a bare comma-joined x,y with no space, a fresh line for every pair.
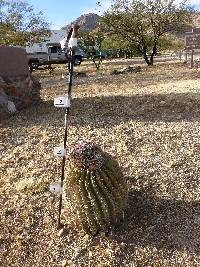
192,59
180,55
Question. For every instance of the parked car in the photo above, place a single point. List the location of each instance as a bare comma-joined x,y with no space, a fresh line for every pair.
54,56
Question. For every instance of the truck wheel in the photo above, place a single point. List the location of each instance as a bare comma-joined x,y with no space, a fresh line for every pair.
77,60
33,65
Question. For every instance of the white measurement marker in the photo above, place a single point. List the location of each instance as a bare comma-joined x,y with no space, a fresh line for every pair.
56,188
62,101
59,151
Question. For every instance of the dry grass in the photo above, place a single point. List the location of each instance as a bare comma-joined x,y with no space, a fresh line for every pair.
150,122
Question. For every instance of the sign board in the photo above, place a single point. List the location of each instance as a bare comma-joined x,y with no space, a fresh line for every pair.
192,41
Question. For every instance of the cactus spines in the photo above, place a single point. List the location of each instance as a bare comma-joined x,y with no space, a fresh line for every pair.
97,187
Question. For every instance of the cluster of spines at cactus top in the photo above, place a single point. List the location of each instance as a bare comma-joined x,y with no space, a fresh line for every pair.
97,186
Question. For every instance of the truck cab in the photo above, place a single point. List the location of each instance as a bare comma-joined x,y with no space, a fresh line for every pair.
54,55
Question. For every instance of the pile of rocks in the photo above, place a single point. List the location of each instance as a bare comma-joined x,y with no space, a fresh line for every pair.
18,92
127,70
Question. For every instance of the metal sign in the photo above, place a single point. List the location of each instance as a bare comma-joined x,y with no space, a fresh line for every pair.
192,41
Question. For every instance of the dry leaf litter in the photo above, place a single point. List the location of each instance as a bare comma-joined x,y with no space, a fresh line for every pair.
149,121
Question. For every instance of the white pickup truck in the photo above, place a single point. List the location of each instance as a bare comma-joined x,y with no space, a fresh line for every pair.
54,56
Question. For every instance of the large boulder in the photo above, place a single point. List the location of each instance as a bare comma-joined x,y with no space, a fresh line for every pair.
13,61
18,88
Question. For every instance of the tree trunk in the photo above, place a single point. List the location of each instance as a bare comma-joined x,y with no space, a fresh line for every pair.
144,52
97,64
146,59
154,52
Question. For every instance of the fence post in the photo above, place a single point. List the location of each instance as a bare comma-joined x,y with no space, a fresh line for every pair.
180,55
192,59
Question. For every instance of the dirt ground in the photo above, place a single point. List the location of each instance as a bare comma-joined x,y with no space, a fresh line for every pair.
150,122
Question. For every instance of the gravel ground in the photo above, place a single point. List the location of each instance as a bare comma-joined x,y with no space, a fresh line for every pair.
150,122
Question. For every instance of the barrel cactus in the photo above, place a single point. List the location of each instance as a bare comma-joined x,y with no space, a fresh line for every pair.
97,187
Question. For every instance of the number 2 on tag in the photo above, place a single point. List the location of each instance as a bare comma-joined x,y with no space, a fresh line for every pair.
59,151
62,101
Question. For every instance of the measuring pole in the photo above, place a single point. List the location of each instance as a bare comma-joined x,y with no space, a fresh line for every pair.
64,101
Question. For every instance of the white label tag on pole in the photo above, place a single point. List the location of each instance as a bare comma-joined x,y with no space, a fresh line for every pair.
59,151
62,101
56,187
72,42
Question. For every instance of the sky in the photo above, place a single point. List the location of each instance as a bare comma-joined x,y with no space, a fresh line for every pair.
62,12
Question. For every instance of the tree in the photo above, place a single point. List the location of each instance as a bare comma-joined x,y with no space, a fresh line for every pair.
117,46
91,43
20,24
143,23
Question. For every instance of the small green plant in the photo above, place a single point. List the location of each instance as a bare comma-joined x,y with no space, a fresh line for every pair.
98,188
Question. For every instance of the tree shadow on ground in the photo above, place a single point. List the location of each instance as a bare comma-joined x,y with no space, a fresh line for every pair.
108,111
166,224
113,110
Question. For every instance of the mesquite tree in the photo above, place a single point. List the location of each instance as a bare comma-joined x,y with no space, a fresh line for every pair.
91,43
20,24
144,22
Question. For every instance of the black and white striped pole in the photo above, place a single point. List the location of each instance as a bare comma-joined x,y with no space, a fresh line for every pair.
70,44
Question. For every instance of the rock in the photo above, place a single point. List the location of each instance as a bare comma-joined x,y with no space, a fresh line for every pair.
162,103
65,263
61,232
126,70
3,101
11,107
2,83
6,106
115,72
133,69
18,92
